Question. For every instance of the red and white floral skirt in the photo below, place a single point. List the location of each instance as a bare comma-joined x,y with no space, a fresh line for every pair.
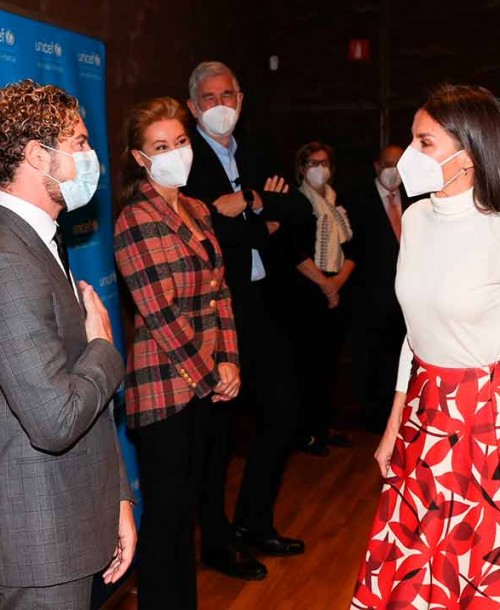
435,541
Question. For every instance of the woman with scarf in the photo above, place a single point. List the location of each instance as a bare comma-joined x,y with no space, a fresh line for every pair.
321,255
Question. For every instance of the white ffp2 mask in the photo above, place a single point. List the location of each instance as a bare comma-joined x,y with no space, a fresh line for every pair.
423,174
390,178
171,168
318,176
219,120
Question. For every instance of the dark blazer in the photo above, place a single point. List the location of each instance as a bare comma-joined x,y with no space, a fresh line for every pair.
238,236
183,322
376,247
60,485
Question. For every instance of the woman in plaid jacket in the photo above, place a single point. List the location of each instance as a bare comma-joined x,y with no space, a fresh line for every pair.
184,353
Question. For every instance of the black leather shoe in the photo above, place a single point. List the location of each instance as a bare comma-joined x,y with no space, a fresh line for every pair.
233,562
268,544
337,439
313,445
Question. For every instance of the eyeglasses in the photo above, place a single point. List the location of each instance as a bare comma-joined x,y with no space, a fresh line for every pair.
317,163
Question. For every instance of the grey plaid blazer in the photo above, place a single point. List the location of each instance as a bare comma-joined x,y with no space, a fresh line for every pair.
61,476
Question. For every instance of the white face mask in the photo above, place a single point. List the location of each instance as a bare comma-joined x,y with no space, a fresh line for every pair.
423,174
171,168
318,176
80,190
220,120
390,178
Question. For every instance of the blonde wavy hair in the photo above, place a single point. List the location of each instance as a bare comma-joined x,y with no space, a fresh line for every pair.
139,119
30,111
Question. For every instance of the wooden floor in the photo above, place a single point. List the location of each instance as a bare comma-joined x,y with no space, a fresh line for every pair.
329,503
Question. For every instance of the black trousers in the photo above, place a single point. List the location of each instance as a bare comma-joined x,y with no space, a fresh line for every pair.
378,333
269,390
170,456
317,335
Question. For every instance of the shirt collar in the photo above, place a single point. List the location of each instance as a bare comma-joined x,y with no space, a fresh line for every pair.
37,218
218,148
385,192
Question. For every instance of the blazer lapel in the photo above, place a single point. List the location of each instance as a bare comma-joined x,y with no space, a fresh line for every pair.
210,161
32,241
174,221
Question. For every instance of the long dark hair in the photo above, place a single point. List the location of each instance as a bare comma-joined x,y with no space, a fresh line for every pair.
140,118
471,115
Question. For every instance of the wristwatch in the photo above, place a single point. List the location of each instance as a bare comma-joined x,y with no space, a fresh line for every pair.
249,198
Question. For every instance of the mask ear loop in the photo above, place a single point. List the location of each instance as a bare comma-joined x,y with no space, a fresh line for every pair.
56,151
144,155
455,154
463,170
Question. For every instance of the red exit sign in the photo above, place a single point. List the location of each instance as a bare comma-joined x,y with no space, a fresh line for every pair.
359,49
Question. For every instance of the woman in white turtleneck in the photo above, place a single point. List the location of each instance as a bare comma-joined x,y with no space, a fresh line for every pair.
434,536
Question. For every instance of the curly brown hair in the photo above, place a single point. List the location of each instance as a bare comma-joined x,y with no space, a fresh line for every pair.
30,111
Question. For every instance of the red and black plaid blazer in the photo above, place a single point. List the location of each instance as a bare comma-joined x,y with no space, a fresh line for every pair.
183,323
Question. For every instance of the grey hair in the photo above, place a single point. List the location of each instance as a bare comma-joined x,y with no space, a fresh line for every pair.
206,69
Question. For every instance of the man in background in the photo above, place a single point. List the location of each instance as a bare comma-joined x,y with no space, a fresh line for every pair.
231,177
378,327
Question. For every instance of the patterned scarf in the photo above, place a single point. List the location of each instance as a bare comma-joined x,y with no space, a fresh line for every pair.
332,228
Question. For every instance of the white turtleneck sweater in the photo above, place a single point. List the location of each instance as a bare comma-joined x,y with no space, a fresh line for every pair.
448,284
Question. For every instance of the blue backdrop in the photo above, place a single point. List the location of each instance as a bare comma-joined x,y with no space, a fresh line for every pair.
51,55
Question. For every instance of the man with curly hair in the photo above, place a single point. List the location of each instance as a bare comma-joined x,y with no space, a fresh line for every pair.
65,509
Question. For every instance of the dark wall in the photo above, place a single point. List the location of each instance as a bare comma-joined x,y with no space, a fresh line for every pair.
152,45
317,92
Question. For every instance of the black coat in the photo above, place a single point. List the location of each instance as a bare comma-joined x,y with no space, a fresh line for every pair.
376,249
238,236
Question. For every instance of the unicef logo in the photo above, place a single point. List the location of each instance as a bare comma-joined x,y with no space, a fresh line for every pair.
90,59
103,169
83,112
49,48
107,280
7,37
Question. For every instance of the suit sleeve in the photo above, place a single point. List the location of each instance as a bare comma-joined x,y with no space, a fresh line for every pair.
55,406
291,207
240,232
141,259
126,492
352,204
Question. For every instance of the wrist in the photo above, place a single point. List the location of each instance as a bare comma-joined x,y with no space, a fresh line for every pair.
327,286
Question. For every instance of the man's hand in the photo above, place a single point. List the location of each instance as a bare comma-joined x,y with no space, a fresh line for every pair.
124,551
229,384
272,226
276,184
231,205
97,323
